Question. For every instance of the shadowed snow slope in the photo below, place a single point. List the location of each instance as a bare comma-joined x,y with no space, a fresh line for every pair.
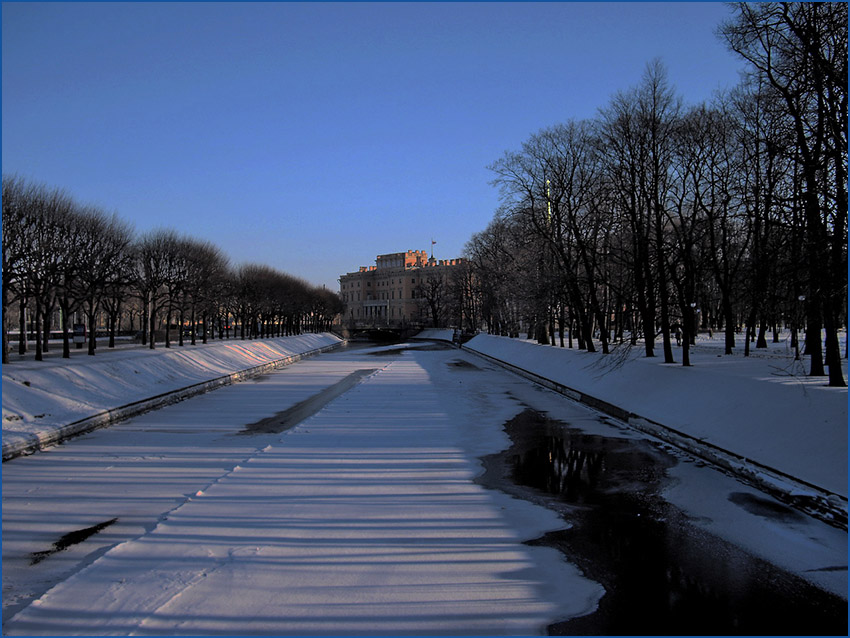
40,397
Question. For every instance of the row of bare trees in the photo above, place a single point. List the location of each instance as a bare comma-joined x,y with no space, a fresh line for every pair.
61,256
655,219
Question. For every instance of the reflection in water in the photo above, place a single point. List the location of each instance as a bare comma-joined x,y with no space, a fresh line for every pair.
558,466
661,574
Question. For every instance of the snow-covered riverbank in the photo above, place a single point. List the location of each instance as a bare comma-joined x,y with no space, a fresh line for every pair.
761,408
762,411
363,516
46,401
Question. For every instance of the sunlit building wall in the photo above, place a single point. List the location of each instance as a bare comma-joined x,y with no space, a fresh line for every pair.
388,293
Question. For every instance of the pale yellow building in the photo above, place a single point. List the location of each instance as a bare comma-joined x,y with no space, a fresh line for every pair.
390,293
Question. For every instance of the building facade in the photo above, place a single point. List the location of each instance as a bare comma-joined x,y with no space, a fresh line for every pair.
395,292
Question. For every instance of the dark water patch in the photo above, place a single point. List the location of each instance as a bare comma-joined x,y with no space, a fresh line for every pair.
577,467
832,568
69,539
662,575
765,507
463,365
291,417
433,347
389,352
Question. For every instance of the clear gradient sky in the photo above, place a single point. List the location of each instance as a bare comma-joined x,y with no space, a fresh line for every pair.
313,136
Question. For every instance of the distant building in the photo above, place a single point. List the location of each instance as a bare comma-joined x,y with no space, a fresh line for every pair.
394,292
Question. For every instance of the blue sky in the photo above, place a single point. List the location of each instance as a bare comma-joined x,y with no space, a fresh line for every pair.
313,136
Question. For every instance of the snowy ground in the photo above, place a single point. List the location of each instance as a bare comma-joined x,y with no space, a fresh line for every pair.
362,519
761,407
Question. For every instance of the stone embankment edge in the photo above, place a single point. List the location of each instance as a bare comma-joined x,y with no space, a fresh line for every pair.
811,499
40,440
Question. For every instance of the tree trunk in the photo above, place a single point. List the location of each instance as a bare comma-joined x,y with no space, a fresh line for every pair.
92,312
729,320
22,326
66,334
38,345
663,292
113,325
561,321
152,325
195,327
5,325
144,320
761,337
540,333
833,353
181,329
814,328
46,325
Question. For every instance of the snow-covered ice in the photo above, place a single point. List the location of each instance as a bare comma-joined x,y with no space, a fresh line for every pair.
363,519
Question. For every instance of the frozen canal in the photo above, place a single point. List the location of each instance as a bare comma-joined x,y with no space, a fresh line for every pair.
396,491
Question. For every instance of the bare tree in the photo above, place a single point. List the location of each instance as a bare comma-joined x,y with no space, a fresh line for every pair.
47,213
500,260
206,265
69,293
800,50
17,221
431,292
105,258
637,134
153,268
766,185
325,307
463,299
